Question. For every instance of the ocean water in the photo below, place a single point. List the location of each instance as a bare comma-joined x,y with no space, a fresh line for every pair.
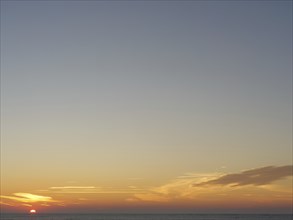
145,217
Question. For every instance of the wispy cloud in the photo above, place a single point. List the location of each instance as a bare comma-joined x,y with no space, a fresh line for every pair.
257,177
73,187
91,189
252,185
6,203
26,199
179,188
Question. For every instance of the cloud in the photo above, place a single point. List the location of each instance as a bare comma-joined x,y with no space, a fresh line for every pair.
179,188
256,177
91,190
72,187
203,187
6,203
29,198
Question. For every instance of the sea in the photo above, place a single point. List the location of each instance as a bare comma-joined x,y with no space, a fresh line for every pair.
146,217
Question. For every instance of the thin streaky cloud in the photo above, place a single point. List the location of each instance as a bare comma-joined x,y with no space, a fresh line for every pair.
255,185
257,177
91,190
73,187
28,198
6,203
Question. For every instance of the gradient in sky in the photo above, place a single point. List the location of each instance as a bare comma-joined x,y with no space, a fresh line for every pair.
146,106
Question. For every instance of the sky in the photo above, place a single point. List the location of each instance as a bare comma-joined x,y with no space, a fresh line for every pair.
146,106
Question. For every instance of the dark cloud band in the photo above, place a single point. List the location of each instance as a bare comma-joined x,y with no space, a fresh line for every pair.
258,176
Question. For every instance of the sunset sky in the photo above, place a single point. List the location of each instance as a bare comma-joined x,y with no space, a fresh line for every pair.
146,106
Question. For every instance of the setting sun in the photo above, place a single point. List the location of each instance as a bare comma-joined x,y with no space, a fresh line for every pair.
33,211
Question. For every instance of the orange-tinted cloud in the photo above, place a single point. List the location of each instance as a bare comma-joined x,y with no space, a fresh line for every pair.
256,177
92,190
5,203
253,185
26,199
